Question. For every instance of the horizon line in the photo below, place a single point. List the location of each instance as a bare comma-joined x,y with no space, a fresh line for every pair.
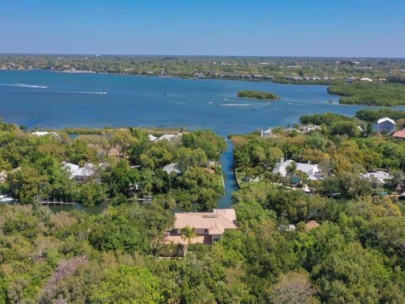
196,55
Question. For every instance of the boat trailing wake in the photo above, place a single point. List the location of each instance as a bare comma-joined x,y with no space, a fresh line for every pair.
33,86
80,92
23,85
241,105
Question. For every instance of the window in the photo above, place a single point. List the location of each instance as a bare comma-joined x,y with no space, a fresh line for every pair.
206,231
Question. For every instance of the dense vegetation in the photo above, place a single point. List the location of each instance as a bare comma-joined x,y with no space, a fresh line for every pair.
356,255
375,115
258,95
129,167
372,94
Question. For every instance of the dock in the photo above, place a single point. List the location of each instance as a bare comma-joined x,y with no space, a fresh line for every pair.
56,203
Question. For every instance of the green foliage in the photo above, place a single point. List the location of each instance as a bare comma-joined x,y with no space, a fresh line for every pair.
328,119
372,94
374,115
212,144
258,95
127,284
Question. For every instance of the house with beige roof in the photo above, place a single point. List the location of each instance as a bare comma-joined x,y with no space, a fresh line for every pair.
209,226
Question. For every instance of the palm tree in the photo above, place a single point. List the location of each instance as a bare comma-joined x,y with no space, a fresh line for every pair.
188,233
292,167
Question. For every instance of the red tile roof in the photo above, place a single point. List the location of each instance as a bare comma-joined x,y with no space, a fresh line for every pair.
399,134
311,225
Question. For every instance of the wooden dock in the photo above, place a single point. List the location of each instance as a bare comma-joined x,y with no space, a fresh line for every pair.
57,203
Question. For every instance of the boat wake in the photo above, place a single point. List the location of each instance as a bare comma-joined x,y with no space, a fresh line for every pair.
23,85
81,92
241,105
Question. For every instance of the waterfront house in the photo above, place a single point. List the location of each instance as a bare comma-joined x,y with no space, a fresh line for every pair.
399,134
209,226
312,170
168,137
44,133
386,125
266,133
152,138
380,176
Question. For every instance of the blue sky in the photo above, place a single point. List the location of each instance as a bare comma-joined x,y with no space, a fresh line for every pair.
362,28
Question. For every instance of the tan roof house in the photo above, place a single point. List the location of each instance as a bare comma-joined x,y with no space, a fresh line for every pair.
209,226
311,225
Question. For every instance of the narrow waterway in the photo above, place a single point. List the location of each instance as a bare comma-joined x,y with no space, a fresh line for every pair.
229,176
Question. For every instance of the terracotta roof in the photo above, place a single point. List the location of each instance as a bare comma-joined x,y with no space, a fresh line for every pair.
177,239
216,222
311,225
399,134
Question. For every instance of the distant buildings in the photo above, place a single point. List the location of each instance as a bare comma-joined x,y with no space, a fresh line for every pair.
386,125
209,226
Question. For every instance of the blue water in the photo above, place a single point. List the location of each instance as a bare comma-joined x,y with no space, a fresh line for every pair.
46,99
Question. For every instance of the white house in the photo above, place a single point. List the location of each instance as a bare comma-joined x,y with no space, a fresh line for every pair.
170,168
266,133
312,170
380,176
44,133
168,137
152,138
80,174
386,124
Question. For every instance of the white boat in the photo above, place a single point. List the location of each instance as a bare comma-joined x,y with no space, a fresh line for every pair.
4,199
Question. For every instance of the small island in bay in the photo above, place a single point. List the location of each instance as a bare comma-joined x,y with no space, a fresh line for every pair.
258,95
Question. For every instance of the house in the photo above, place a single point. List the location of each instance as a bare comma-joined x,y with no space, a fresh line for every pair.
309,128
386,125
209,226
287,228
266,133
399,134
366,79
168,137
171,168
80,174
380,176
44,133
311,225
312,170
152,138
